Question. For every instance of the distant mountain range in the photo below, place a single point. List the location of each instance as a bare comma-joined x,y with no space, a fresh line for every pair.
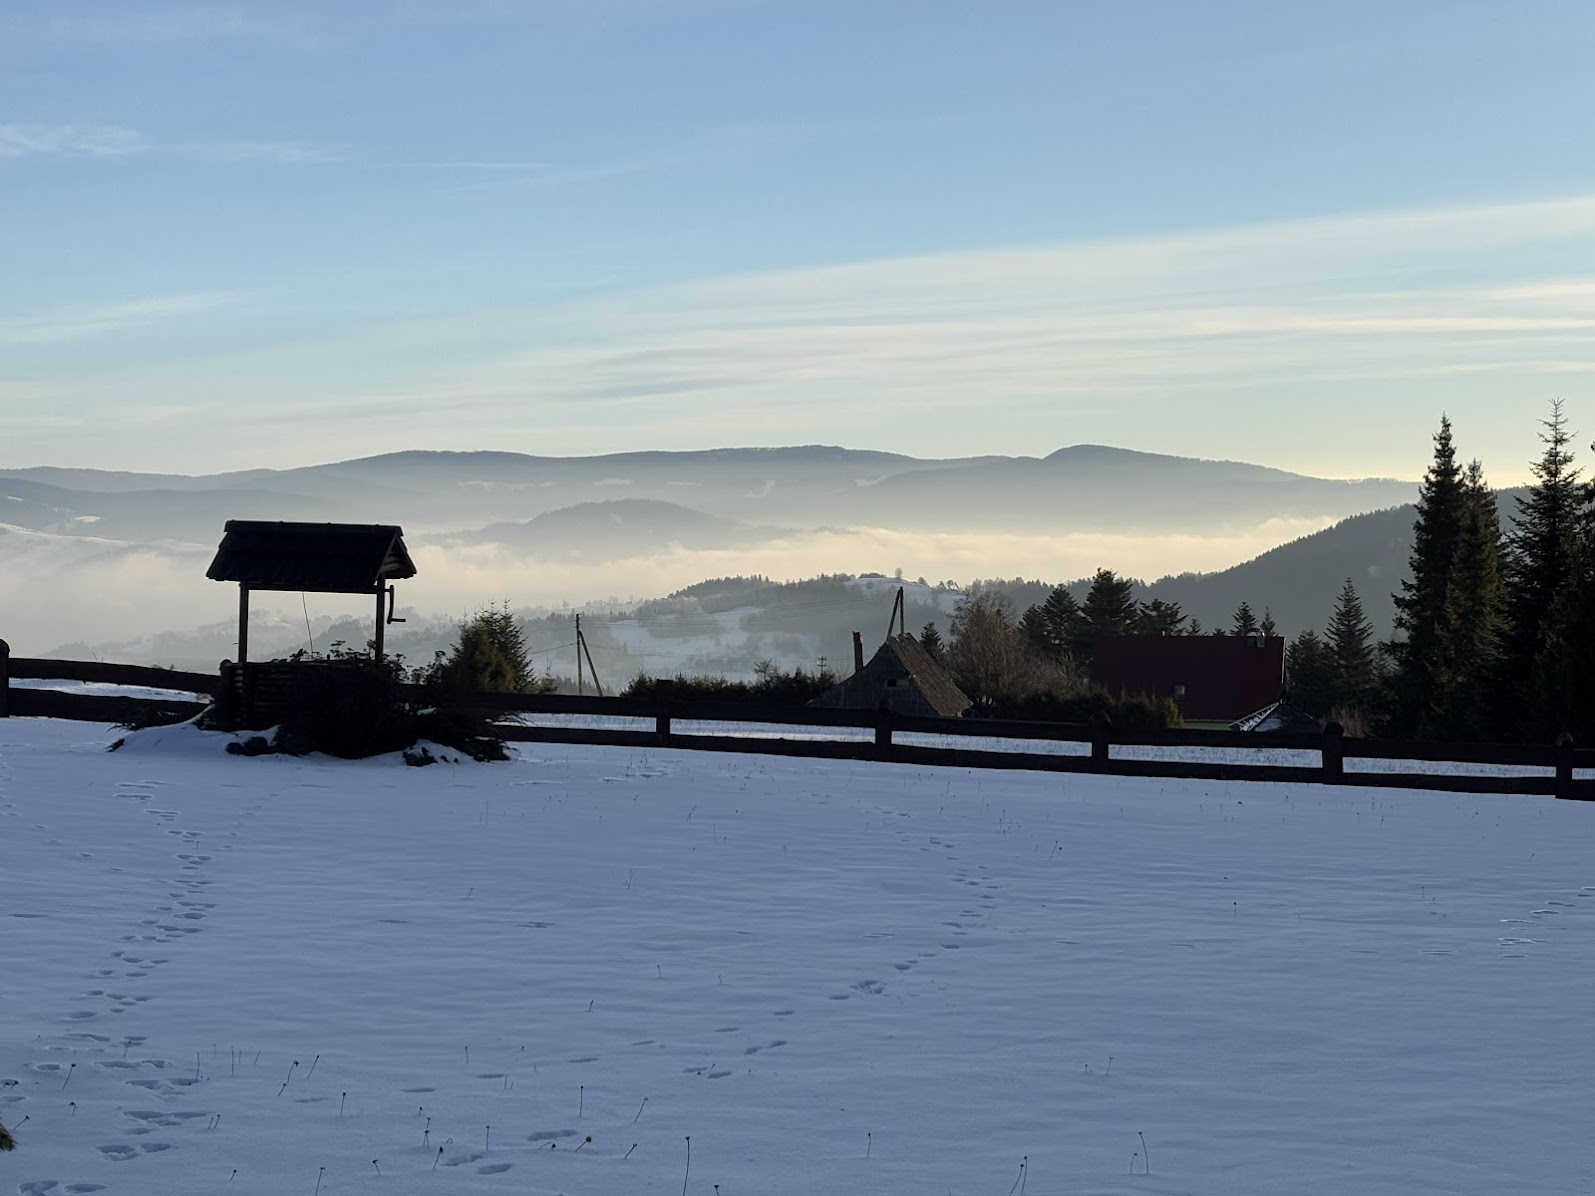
1086,488
116,559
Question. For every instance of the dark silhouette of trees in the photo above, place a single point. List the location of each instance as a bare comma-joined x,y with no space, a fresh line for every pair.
1354,668
1245,623
1421,671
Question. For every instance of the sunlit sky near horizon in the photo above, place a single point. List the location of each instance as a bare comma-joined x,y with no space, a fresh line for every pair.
270,234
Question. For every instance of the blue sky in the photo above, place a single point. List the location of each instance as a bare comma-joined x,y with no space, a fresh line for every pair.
268,234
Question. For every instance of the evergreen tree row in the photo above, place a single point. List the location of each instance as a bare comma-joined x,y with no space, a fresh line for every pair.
1496,632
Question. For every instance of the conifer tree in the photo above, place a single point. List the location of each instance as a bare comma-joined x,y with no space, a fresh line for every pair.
1109,609
1053,625
1062,615
1420,605
1351,652
1195,628
1158,617
930,640
1268,627
1245,623
1540,558
490,654
1475,618
1309,674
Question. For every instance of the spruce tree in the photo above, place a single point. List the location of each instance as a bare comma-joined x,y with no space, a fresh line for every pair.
1351,652
1475,618
1062,619
930,640
1034,624
1268,627
1109,609
1309,674
1245,623
1053,625
1158,617
1540,556
1420,605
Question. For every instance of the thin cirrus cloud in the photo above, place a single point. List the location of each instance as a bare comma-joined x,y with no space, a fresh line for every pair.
1189,335
65,325
100,142
25,140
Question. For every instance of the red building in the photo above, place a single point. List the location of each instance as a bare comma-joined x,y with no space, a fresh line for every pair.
1211,678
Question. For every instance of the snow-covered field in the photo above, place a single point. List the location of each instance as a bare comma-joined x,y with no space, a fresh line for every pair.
222,975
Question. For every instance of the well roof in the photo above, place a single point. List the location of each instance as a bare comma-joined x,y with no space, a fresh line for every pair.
319,558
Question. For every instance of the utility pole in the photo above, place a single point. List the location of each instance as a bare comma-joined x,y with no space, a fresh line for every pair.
578,654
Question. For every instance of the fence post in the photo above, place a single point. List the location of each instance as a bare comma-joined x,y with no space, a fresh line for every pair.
5,679
1334,754
883,728
1101,735
1564,765
662,690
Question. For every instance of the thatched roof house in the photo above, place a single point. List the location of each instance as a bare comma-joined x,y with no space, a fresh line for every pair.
905,676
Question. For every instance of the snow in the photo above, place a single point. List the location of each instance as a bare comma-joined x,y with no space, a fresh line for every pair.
835,977
105,689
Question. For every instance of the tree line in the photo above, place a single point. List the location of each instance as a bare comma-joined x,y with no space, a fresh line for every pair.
1496,629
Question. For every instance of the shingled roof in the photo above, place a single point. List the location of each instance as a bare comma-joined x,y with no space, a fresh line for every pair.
904,674
319,558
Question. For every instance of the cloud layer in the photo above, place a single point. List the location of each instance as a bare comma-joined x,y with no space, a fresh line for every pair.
1328,345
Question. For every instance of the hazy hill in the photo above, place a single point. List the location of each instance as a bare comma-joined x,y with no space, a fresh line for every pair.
1083,488
619,528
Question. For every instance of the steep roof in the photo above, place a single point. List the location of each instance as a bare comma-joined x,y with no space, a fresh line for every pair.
1210,677
320,558
1281,716
903,673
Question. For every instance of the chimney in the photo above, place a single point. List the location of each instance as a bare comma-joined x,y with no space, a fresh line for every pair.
858,651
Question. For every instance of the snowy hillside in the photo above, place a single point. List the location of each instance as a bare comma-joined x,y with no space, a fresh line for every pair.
253,975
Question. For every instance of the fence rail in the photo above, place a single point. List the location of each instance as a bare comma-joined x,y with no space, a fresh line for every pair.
663,711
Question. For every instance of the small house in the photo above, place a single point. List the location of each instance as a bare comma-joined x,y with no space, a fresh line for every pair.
1211,678
901,674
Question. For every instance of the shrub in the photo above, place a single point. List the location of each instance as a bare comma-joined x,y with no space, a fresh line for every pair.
771,687
489,656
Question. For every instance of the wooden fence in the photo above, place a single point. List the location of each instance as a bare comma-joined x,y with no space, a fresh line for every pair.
886,743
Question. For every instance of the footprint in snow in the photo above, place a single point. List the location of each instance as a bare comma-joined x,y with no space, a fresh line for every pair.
494,1169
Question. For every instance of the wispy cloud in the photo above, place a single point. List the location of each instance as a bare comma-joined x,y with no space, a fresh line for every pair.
65,324
23,140
249,152
60,142
1186,343
135,22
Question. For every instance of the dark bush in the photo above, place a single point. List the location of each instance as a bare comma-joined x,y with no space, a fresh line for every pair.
771,687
